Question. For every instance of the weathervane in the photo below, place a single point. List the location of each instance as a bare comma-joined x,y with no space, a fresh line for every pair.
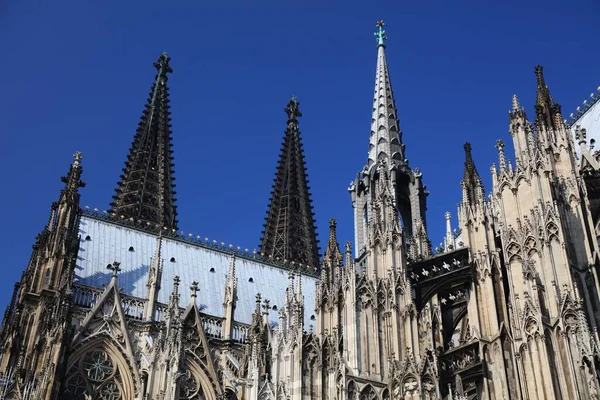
380,34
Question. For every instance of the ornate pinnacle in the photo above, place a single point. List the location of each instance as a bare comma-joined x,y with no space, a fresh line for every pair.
380,34
501,155
292,110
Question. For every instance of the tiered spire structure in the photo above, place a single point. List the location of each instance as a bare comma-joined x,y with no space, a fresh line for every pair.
386,137
36,328
290,234
146,190
545,107
387,173
473,191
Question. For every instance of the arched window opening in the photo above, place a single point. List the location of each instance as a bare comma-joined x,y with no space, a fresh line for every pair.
368,393
352,392
94,376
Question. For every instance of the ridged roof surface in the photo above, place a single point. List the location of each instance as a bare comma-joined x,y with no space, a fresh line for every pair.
590,120
109,242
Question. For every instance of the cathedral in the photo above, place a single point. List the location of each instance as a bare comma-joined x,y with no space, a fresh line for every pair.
121,304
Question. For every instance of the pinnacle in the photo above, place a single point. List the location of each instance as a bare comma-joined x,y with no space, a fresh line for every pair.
332,253
472,183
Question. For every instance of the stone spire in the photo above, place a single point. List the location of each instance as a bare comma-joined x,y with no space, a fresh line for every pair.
45,291
387,176
146,190
289,231
60,235
545,107
333,256
386,137
473,191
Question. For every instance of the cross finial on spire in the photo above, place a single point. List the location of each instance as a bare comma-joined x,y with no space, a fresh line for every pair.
114,267
194,288
77,157
292,110
162,65
380,34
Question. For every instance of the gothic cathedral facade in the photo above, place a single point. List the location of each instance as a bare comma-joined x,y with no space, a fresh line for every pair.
120,304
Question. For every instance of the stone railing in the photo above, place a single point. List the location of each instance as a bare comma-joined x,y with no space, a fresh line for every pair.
240,332
133,307
85,296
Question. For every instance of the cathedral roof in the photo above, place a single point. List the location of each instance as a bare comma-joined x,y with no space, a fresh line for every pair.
103,242
587,117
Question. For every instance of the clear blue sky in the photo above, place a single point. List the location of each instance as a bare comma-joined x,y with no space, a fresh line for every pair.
76,75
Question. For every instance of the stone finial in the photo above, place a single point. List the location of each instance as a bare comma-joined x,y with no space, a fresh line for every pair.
114,267
266,307
194,288
580,135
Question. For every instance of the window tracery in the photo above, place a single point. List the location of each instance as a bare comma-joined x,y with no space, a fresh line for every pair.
94,376
189,388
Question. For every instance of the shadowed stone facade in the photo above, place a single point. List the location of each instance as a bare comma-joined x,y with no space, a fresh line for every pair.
120,305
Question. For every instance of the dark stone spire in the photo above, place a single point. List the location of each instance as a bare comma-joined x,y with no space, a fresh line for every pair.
146,190
290,232
473,191
545,107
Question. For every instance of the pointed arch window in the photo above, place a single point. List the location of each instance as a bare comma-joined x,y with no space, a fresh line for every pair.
94,376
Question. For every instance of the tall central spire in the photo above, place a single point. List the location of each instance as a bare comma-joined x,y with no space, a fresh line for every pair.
146,190
386,138
290,232
386,182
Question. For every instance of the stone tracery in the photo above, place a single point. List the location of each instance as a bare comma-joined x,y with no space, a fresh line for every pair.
94,376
